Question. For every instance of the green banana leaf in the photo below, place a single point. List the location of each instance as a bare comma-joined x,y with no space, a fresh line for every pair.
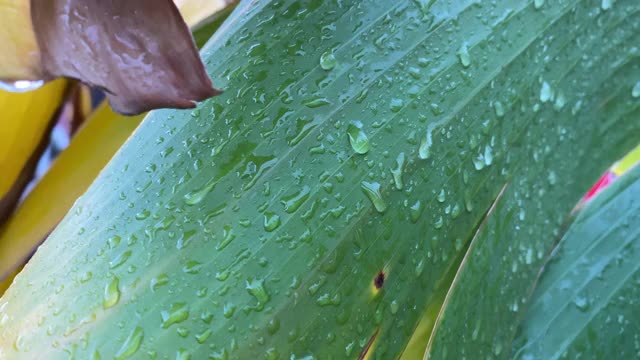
581,114
586,302
320,207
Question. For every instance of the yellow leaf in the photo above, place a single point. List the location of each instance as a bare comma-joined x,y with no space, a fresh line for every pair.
25,124
627,162
70,175
4,284
20,56
195,12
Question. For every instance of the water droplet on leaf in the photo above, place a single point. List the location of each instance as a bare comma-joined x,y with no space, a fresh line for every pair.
271,221
424,151
463,54
357,138
397,171
178,313
327,61
131,344
111,293
257,289
396,105
195,197
372,190
546,93
635,92
315,102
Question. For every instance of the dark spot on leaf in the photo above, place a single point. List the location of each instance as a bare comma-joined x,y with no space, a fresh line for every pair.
379,280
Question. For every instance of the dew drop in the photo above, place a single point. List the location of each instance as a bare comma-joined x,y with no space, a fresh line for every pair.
560,102
256,288
468,202
372,190
455,211
86,276
272,354
223,275
357,137
192,267
293,202
348,350
424,151
538,3
219,355
415,211
131,344
528,258
114,241
228,310
271,222
111,293
315,102
552,177
327,300
178,313
394,306
463,55
397,171
203,336
436,109
438,223
159,281
546,93
228,235
478,162
120,259
396,105
273,326
144,214
419,268
327,61
635,92
582,303
488,155
195,197
183,354
498,108
497,347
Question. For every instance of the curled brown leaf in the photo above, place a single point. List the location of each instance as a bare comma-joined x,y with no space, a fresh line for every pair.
140,52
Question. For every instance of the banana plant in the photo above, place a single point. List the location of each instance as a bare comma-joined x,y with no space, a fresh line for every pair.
378,180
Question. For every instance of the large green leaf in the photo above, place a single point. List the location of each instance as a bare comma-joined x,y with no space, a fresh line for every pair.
567,144
252,227
586,302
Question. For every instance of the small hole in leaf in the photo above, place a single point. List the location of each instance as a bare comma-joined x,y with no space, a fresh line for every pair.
379,280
